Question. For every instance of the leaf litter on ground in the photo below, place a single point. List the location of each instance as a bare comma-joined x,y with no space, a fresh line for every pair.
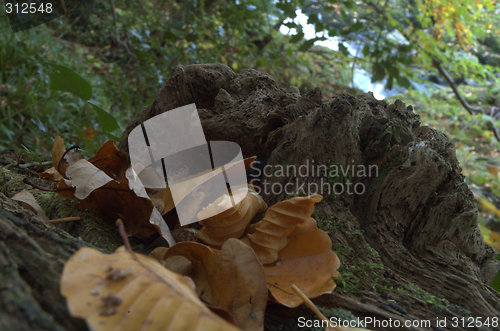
232,274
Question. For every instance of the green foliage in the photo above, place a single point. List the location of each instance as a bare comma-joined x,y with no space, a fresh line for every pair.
66,80
41,94
400,38
107,122
496,282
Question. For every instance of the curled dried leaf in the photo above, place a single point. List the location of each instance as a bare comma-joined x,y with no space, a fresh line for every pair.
232,222
29,202
144,295
58,150
111,160
51,174
270,235
307,261
232,279
113,191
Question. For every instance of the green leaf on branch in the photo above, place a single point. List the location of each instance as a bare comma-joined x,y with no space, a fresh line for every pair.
64,79
105,120
307,44
297,37
378,72
343,49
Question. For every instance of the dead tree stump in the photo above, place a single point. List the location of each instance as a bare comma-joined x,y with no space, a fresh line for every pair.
410,237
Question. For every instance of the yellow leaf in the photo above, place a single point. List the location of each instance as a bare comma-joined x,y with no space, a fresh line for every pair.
307,261
232,279
117,292
492,169
232,222
51,174
29,202
487,206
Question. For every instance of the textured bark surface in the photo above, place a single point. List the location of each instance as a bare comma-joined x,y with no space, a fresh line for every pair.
32,256
409,246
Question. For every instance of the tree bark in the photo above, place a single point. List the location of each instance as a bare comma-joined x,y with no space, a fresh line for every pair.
32,256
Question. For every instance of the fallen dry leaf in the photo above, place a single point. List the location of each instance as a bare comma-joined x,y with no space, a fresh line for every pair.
51,174
232,279
307,261
111,160
232,222
58,150
113,192
117,292
29,202
86,177
270,235
492,169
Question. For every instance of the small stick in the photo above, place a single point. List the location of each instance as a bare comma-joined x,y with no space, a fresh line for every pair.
41,188
27,165
123,234
312,306
64,219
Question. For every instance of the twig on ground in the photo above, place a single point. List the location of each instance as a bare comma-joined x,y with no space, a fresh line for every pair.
123,234
38,187
312,306
30,164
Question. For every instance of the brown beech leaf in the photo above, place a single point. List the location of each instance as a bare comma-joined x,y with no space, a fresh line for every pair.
232,222
270,234
249,162
58,150
117,292
307,261
29,202
51,174
111,160
113,192
127,201
232,279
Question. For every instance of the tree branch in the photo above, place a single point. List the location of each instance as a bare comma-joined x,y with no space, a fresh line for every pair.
437,64
472,110
117,31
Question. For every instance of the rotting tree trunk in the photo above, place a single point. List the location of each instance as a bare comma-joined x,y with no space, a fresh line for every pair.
406,243
416,217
